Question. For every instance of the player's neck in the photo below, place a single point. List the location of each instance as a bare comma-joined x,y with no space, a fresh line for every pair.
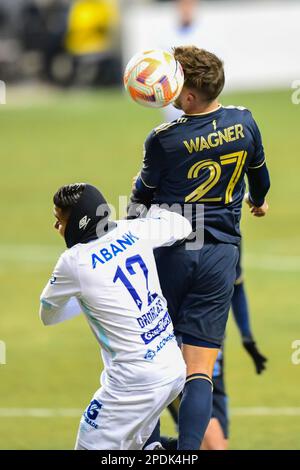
204,108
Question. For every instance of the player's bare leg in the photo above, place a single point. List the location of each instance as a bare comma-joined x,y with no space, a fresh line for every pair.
199,360
214,437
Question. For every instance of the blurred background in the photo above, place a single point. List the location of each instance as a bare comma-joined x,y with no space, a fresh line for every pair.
67,119
87,42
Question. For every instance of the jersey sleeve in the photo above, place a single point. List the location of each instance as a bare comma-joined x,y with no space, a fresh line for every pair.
153,161
259,184
259,154
163,228
149,176
59,297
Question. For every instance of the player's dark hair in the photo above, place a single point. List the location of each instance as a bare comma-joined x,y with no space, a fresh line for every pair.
67,196
203,71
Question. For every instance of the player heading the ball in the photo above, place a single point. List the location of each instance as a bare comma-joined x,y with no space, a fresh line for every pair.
202,159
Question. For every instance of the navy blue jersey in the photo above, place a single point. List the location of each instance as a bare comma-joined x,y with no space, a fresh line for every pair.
202,159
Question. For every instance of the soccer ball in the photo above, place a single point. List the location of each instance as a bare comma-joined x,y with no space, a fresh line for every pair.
153,78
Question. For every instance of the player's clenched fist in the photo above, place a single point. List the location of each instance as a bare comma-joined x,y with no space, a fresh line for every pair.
256,211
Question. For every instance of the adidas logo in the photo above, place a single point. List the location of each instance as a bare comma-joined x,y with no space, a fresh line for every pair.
83,222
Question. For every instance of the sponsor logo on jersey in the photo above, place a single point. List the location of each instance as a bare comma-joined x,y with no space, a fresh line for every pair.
83,222
164,341
152,314
155,332
150,354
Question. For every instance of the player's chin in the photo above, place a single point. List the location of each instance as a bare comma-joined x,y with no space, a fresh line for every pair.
61,231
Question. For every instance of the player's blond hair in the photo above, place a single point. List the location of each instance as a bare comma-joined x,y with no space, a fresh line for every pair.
203,71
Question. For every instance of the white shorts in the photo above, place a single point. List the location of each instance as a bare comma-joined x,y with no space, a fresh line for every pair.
124,420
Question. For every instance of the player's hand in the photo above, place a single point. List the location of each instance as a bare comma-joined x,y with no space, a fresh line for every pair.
256,211
258,359
260,211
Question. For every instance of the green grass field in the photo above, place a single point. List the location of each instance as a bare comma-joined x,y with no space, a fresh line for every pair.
70,137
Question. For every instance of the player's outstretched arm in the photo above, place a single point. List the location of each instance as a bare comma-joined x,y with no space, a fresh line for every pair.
161,227
58,299
51,314
259,185
241,315
258,359
258,176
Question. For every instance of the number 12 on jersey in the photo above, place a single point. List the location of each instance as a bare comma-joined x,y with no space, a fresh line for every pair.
130,262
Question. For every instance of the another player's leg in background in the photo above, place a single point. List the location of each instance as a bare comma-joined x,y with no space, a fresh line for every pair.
214,438
240,310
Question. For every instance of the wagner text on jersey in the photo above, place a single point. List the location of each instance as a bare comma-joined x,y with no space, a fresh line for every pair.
215,139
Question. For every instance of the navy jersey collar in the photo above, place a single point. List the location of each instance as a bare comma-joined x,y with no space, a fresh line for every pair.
204,115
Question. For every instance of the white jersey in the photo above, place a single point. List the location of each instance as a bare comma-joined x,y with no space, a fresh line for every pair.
114,281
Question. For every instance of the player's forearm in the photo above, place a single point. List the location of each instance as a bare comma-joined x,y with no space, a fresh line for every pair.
240,311
178,227
259,184
141,194
51,314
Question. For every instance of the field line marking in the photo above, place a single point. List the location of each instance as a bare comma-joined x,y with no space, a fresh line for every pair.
35,255
272,262
40,412
76,412
264,411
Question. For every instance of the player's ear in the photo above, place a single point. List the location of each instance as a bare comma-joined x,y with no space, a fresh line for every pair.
191,98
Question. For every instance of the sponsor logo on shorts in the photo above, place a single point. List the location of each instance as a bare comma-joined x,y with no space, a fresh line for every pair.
155,332
92,412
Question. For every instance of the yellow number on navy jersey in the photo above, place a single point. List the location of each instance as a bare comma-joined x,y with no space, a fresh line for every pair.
215,170
213,178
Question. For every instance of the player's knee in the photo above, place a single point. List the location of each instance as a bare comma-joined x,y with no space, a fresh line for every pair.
200,359
214,445
200,367
199,370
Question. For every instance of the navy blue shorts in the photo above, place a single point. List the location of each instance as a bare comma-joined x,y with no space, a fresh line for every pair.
198,286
